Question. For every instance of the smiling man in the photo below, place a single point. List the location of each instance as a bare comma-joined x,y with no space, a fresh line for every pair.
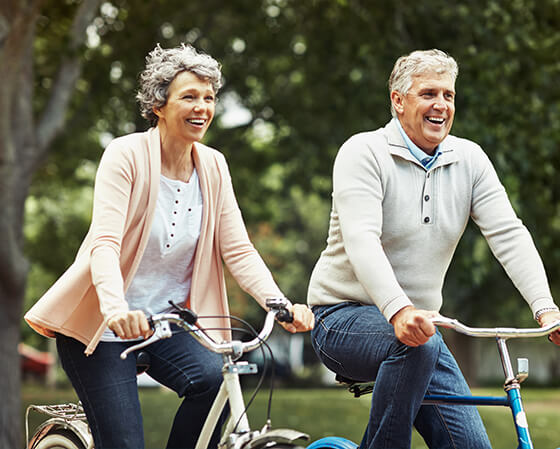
402,197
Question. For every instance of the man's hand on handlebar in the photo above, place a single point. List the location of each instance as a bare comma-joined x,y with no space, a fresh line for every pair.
129,325
303,319
413,327
549,318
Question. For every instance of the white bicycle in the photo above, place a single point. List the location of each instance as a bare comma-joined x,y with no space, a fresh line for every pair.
67,426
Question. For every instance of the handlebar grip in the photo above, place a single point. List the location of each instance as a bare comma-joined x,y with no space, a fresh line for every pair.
285,316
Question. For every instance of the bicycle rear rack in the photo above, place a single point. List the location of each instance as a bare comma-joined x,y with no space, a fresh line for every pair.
67,412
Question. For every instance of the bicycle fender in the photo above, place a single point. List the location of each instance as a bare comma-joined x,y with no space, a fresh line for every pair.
277,436
332,443
79,428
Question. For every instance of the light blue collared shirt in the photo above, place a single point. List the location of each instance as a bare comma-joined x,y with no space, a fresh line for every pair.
425,159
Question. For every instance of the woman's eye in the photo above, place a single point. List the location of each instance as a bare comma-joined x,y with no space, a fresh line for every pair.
209,99
188,97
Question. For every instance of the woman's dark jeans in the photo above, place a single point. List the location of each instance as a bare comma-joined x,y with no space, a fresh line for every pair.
108,389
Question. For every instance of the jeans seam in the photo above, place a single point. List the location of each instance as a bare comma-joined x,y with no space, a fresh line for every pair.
183,373
392,415
70,359
442,418
347,332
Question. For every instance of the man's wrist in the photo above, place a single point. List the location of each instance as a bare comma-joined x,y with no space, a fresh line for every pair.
544,310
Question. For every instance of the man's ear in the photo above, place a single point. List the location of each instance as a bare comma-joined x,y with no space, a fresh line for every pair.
397,100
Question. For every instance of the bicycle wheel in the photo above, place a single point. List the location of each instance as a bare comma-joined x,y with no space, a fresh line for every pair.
59,439
333,443
272,445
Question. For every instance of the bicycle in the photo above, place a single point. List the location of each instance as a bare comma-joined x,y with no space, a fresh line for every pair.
512,383
67,427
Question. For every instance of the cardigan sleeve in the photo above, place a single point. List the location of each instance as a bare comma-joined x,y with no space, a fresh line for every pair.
358,197
113,184
509,240
237,250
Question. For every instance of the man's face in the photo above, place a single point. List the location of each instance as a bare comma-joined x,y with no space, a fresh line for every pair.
426,112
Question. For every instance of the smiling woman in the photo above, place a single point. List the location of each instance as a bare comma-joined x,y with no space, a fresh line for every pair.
164,219
183,120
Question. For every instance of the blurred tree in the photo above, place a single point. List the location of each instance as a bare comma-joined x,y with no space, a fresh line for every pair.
303,76
26,133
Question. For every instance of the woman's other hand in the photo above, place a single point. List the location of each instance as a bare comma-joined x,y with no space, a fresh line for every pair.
303,319
129,325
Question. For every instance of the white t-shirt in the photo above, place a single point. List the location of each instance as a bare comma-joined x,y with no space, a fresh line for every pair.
165,270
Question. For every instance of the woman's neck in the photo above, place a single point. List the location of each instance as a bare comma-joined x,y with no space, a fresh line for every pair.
176,160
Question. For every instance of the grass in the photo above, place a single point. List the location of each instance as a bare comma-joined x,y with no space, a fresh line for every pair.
333,411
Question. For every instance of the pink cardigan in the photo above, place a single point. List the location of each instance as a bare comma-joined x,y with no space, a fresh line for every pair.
126,188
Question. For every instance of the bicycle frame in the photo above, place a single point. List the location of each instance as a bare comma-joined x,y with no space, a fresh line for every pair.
230,390
237,431
512,384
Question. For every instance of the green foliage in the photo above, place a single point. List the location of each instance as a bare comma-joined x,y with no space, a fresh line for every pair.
309,74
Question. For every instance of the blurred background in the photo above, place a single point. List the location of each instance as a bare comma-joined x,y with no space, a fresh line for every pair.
301,76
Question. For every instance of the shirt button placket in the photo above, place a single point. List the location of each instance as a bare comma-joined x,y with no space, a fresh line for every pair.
427,202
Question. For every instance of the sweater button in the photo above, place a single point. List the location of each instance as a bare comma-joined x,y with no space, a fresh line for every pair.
426,219
427,198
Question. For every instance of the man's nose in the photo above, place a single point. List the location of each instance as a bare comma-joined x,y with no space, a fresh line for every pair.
440,103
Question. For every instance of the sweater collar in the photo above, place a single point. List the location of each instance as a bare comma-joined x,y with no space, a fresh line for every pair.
398,147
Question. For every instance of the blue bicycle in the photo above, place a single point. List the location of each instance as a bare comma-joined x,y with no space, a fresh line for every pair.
512,384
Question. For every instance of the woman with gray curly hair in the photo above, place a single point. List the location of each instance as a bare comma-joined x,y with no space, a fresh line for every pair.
164,219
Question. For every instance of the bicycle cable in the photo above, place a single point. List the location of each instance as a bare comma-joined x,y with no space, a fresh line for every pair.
250,330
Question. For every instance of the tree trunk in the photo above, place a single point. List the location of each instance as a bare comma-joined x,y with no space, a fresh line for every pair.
17,23
23,145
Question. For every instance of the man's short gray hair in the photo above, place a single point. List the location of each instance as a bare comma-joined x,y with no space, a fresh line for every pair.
416,63
163,65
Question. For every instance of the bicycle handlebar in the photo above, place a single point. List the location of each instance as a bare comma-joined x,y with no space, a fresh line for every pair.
498,332
160,322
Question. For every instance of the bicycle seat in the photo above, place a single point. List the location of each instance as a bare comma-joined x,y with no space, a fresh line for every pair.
142,362
346,380
356,387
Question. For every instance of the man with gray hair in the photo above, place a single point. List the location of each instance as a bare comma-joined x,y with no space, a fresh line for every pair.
402,197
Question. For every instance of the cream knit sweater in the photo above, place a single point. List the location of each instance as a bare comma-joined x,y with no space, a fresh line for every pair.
394,226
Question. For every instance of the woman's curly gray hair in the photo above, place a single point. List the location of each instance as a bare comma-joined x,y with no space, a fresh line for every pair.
416,63
163,65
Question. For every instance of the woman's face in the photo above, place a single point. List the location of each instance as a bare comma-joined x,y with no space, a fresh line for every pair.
189,109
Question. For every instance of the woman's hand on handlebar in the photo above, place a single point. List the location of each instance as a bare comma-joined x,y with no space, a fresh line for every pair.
129,325
548,318
303,319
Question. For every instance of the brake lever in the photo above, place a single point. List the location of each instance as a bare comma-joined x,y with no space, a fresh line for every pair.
280,306
162,330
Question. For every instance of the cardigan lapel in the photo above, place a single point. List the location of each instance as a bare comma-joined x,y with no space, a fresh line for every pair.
201,166
153,167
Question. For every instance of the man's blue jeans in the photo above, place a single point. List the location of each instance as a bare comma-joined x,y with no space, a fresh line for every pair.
107,387
357,342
